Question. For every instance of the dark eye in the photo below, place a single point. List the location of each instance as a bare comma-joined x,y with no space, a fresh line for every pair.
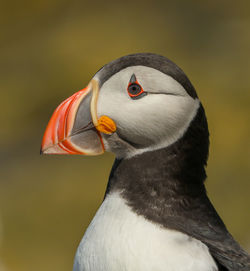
135,90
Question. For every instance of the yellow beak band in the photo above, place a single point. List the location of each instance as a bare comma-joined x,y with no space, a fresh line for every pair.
106,125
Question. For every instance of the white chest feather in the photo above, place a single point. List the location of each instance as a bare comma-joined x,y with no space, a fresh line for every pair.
119,240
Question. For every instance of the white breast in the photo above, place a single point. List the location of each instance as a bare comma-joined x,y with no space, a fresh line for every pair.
120,240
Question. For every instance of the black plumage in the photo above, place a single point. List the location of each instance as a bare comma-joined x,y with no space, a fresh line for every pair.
166,186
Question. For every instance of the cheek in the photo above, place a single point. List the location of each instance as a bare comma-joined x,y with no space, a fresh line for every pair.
154,118
150,120
129,115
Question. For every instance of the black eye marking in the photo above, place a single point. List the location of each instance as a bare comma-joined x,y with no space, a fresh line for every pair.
135,91
132,79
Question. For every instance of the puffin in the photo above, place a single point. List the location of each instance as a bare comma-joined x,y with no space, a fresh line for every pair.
155,215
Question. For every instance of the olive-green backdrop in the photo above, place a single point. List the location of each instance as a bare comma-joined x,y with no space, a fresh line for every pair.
49,49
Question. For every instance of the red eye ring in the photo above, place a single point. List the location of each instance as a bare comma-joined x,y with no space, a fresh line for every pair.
135,89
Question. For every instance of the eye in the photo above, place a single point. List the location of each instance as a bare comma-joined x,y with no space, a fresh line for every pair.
135,91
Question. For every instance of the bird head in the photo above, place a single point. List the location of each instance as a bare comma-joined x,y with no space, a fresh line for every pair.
137,103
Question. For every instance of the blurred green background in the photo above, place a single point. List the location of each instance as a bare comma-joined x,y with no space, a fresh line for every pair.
52,48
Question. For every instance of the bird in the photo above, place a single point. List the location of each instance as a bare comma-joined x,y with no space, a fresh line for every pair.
156,214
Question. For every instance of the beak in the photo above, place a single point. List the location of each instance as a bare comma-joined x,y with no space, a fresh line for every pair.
73,127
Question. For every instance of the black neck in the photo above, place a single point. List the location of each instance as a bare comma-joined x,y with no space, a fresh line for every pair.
166,186
169,179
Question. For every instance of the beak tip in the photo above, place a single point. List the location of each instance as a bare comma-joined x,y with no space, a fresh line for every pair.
41,151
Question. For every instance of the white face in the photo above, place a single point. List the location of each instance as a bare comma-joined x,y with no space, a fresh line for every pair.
151,122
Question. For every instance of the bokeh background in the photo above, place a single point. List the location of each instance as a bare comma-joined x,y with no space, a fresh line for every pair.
49,49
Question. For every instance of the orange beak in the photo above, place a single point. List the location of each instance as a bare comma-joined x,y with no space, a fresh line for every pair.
72,127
